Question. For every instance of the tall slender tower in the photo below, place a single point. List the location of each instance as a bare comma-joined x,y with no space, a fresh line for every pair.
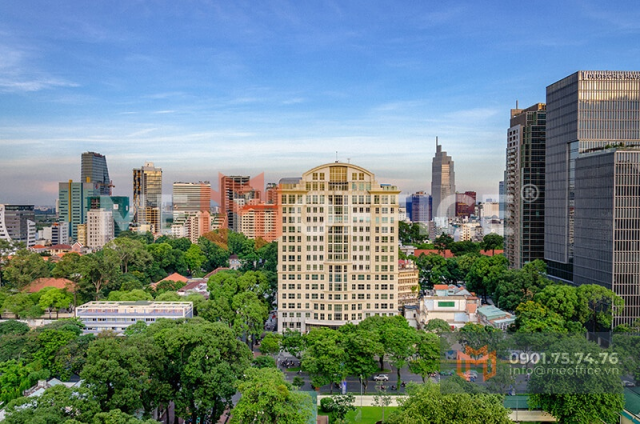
524,185
147,197
443,184
94,170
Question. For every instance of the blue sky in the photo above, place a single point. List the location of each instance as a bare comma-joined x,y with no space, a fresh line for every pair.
207,87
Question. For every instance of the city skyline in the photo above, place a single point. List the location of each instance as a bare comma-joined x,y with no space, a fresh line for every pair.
241,89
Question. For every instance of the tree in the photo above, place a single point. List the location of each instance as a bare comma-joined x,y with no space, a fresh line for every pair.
382,398
55,298
100,270
400,344
216,256
16,377
492,242
443,242
18,304
49,343
271,344
268,399
203,362
597,306
264,361
194,259
24,267
325,357
116,416
71,358
559,298
485,273
70,267
57,404
116,373
129,296
518,286
581,396
426,359
428,403
361,347
433,270
128,252
437,326
293,343
13,327
339,406
465,247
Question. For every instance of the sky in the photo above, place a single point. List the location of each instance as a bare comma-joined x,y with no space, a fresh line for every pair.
201,88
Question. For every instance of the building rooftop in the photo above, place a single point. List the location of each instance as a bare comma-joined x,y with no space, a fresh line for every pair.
491,312
41,283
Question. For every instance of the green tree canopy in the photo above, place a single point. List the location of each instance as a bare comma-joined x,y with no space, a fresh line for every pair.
428,404
24,267
268,399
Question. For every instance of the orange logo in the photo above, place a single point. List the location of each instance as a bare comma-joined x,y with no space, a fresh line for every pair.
470,357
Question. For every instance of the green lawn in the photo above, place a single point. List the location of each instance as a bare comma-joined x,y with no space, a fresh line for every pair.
370,414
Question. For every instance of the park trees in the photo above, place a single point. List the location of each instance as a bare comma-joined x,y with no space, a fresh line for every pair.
361,346
23,268
325,357
116,373
54,298
268,399
203,362
58,404
514,287
426,358
581,396
426,403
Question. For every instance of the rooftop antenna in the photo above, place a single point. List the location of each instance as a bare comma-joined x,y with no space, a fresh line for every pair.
348,160
516,104
436,142
336,156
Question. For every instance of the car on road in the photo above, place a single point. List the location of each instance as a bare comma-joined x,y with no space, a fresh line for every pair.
381,377
627,383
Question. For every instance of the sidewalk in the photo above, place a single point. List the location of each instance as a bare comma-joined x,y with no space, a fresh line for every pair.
367,400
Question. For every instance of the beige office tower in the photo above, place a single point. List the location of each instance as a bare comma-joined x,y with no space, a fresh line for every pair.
339,248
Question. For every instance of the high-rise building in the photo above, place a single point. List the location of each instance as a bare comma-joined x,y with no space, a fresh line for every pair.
339,248
147,197
443,184
189,198
585,111
271,194
18,223
260,221
94,170
73,204
501,195
235,192
466,204
525,186
421,204
607,225
119,207
99,228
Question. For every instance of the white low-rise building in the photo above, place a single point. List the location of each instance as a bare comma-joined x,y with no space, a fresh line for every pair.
99,316
453,304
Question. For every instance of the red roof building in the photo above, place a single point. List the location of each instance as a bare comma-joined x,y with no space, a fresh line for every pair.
41,283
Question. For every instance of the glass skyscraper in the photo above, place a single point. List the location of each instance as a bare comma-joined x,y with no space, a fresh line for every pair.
525,186
586,111
443,184
94,170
